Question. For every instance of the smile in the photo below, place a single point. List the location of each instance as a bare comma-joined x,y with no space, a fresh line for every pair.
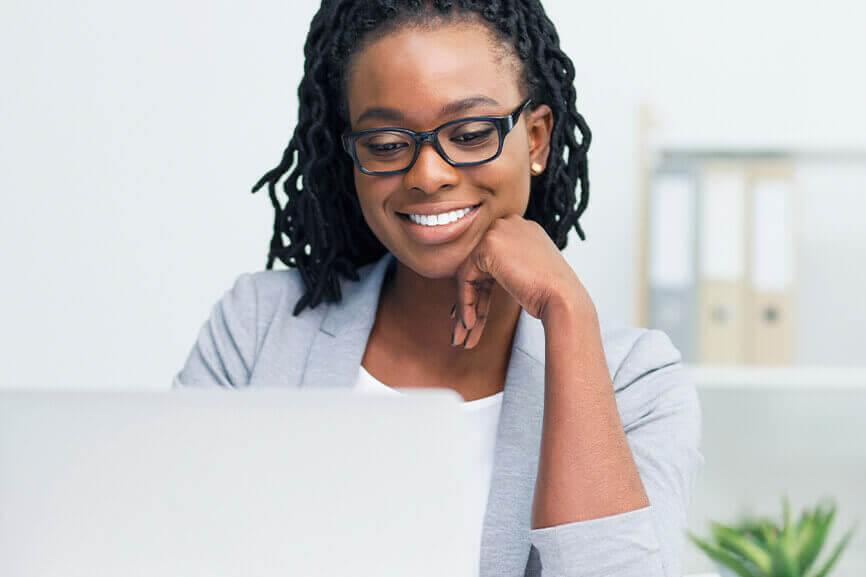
440,219
426,229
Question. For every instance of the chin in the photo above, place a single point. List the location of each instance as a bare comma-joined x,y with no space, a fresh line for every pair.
435,263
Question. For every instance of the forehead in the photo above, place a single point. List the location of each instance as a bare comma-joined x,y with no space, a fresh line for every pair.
417,71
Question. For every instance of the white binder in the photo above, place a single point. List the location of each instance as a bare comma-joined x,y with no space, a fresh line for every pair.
770,325
672,257
722,290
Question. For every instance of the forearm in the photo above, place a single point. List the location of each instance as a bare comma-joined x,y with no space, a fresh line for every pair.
586,469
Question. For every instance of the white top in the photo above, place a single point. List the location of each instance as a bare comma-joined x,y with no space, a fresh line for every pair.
482,420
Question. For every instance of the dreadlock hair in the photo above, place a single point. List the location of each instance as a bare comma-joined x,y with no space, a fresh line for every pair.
322,218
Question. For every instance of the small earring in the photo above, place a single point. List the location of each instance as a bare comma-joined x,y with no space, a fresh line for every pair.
536,168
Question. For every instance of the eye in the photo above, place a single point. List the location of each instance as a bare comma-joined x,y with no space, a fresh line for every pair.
476,137
387,147
471,134
384,149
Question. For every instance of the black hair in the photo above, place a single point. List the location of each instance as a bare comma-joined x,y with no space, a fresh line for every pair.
322,218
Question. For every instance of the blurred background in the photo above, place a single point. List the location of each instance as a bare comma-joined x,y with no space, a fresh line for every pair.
728,170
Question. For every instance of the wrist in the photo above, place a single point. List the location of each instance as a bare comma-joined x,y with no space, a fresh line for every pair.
573,306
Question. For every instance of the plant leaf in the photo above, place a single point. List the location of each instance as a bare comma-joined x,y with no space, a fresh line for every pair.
786,552
812,541
805,520
739,566
769,533
740,545
784,564
834,556
760,530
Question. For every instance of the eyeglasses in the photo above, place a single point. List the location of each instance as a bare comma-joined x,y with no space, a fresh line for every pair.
467,142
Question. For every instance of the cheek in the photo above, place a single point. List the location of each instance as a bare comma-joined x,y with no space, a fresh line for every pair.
517,180
508,183
372,196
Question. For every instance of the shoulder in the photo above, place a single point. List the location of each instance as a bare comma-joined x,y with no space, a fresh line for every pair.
252,334
263,291
274,285
272,295
229,342
648,375
634,351
258,302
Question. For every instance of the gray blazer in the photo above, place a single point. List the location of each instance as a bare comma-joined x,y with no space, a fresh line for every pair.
252,340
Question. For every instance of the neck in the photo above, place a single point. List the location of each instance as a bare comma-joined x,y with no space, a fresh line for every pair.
415,313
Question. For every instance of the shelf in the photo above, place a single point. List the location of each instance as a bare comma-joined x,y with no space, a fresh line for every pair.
758,377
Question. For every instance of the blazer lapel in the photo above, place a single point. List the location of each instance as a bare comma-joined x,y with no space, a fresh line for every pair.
505,544
339,344
335,358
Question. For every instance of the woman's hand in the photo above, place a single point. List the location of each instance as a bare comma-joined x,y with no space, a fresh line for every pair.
518,254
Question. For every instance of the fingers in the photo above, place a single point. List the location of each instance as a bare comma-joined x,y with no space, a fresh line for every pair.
475,279
473,302
466,297
482,307
458,331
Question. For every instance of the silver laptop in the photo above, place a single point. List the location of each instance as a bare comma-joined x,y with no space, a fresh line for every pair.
232,483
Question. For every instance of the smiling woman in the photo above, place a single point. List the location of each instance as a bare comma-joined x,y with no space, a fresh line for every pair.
362,57
436,161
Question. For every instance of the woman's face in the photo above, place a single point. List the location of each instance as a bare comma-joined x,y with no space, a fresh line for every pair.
415,73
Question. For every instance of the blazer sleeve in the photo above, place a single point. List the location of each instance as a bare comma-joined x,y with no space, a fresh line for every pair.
662,420
224,352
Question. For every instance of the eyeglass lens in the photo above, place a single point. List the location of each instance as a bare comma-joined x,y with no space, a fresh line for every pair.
471,141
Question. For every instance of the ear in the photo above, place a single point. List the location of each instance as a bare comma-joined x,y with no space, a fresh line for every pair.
539,126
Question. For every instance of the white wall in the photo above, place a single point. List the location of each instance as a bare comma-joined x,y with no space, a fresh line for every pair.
766,72
131,139
131,135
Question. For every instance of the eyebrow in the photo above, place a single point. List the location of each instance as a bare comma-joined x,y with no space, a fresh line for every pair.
457,106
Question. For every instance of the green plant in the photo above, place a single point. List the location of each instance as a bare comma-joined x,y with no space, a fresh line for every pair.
759,547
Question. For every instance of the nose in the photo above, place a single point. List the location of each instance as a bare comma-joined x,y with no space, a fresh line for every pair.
430,173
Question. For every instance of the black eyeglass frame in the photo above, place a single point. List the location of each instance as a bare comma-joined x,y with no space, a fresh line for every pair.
503,124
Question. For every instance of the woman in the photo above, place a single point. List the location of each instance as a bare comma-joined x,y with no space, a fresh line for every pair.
435,162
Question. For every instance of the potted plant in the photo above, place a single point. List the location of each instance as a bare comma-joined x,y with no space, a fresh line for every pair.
759,547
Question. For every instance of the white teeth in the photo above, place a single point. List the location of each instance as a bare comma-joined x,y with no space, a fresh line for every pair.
437,219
